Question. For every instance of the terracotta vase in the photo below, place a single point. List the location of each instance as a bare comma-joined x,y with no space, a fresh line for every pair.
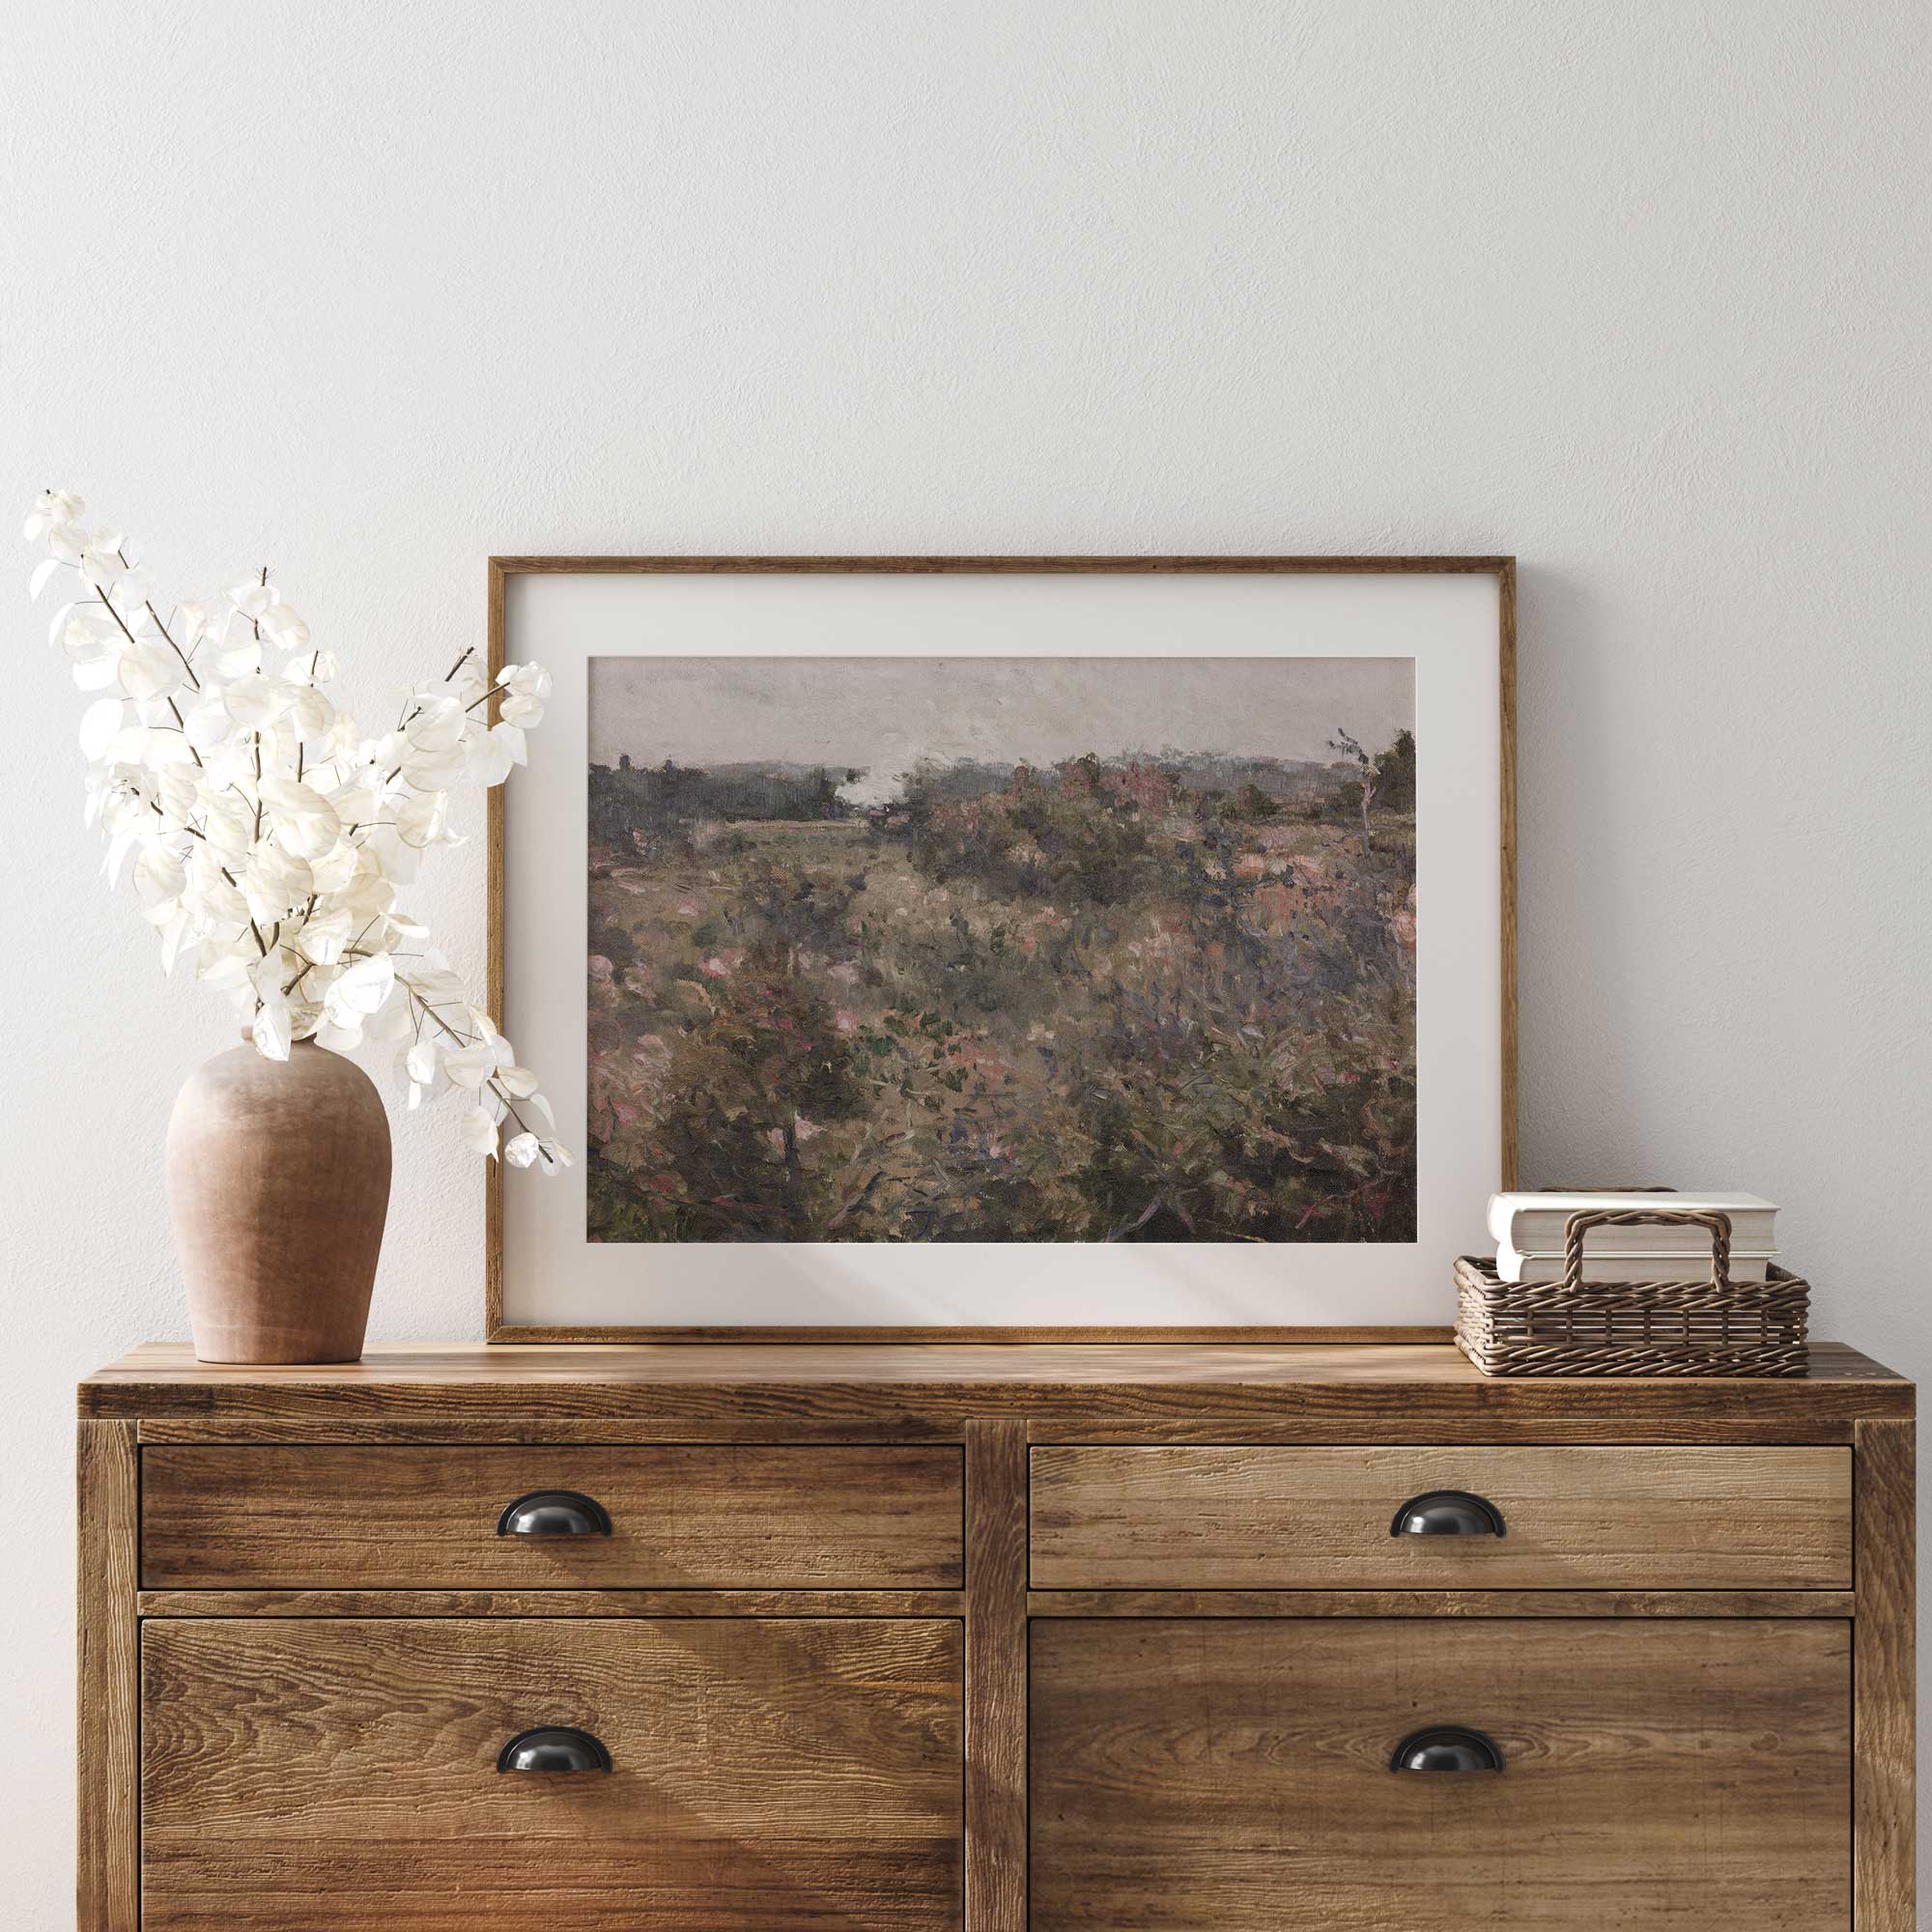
278,1176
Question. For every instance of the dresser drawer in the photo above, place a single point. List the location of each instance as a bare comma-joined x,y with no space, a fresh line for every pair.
1236,1777
1275,1517
324,1776
713,1516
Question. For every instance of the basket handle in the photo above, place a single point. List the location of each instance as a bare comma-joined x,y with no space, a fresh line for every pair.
1717,1226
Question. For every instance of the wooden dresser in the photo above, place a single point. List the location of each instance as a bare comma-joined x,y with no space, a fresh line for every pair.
735,1639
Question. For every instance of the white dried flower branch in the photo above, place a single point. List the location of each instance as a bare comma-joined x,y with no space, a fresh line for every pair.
269,838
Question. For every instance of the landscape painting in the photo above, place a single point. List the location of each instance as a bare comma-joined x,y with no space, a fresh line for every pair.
1002,950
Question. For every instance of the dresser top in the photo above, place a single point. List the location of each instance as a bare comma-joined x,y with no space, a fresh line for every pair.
1357,1384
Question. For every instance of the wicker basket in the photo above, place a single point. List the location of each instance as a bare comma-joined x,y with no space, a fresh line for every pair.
1715,1327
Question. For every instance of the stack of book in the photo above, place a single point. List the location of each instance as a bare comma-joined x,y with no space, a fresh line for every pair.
1528,1231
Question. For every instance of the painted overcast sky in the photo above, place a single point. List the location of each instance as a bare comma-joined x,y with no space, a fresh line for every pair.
882,715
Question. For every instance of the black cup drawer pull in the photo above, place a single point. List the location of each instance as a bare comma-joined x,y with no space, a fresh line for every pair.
555,1512
1447,1748
553,1747
1447,1513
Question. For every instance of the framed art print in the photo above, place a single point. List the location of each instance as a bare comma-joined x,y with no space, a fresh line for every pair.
1005,948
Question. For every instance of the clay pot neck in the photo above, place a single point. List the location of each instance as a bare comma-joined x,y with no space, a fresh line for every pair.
249,1040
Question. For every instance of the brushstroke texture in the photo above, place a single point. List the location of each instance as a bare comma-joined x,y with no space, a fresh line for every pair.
1129,996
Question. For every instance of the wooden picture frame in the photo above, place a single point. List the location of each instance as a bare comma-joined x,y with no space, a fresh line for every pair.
503,570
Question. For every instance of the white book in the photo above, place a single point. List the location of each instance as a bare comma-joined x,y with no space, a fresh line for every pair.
1685,1265
1533,1224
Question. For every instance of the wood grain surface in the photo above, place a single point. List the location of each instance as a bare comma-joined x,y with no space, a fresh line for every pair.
1274,1517
996,1668
347,1424
1203,1777
1399,1393
1885,1730
715,1516
314,1776
556,1603
1654,1603
107,1891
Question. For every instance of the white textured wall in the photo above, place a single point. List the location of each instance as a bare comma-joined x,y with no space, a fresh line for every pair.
1637,292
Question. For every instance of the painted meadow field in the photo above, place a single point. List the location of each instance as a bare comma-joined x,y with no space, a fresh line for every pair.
1130,998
